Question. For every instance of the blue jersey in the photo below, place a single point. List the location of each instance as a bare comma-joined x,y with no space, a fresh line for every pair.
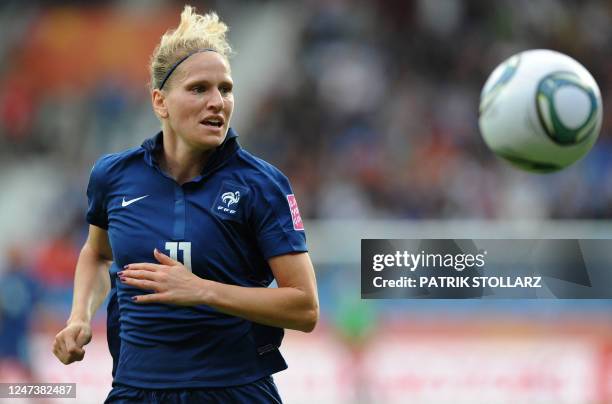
112,322
223,225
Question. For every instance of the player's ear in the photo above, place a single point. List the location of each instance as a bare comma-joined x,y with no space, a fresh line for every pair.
158,100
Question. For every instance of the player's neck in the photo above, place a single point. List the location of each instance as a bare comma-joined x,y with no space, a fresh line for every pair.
180,161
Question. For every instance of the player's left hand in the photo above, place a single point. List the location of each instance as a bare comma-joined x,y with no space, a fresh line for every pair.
170,282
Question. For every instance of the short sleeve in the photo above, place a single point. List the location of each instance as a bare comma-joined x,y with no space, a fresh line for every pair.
276,219
96,196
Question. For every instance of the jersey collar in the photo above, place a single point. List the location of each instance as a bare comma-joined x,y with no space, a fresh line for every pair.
217,159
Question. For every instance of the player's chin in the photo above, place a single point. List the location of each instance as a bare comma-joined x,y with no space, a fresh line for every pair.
212,136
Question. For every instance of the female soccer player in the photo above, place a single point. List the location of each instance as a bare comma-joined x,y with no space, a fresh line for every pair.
196,228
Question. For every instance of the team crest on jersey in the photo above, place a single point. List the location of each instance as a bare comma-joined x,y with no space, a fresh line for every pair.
227,203
295,213
230,198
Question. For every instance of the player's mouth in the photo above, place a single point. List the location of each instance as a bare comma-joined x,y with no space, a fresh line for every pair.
214,122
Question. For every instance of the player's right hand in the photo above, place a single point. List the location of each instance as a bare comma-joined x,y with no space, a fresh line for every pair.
69,343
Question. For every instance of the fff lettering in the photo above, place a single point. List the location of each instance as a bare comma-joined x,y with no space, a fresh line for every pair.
226,210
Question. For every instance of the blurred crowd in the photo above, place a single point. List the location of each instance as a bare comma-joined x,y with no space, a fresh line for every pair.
379,117
375,118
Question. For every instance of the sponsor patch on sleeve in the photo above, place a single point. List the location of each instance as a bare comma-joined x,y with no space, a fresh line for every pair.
295,213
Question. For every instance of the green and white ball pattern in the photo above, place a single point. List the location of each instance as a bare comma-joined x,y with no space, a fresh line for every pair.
567,108
499,78
540,110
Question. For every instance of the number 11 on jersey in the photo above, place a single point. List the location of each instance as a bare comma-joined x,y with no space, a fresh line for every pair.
184,247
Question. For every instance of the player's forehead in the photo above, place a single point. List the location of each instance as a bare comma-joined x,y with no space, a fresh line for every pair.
205,66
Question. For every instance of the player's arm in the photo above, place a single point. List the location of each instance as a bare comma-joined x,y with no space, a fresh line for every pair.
294,304
91,285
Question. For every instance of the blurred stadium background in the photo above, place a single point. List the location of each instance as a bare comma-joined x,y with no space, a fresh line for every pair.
371,109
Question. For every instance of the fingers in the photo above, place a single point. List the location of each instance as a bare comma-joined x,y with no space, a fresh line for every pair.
76,355
138,274
72,348
68,357
143,266
164,262
59,350
163,258
152,298
68,343
141,283
83,338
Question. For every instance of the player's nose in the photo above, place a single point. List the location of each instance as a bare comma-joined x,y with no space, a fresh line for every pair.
214,101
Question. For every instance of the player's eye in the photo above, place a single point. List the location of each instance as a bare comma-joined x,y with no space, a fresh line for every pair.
225,89
198,89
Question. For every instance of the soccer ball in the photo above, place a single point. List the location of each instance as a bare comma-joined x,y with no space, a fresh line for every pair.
540,110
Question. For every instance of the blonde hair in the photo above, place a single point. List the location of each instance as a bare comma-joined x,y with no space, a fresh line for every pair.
195,32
